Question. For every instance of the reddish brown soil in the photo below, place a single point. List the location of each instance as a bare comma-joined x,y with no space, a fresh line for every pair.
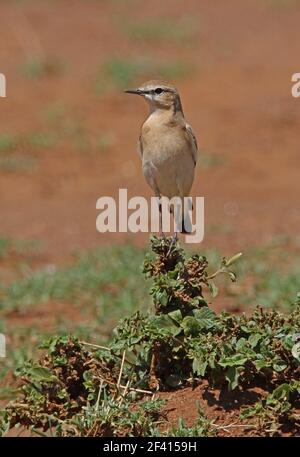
222,407
237,97
44,316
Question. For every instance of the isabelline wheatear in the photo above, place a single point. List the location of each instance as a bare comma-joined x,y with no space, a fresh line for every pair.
168,147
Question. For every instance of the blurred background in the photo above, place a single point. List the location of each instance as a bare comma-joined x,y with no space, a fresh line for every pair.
68,135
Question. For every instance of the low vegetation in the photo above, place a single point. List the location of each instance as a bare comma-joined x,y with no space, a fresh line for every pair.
35,67
118,72
161,30
80,388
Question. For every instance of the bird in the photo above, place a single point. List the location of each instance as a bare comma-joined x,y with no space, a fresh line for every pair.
168,148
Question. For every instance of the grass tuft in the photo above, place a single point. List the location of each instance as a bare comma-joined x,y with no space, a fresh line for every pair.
84,389
120,72
37,67
159,29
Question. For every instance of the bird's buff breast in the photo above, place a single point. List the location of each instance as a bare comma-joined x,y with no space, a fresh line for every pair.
162,144
167,163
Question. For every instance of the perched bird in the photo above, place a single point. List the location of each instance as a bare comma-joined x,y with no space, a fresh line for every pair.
167,146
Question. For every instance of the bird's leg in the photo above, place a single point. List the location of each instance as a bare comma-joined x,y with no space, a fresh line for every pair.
161,233
175,235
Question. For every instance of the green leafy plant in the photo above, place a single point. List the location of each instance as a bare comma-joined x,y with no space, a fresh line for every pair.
162,29
36,67
77,394
122,72
203,427
80,388
276,411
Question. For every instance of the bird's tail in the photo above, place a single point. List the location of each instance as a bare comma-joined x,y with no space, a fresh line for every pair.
186,224
182,218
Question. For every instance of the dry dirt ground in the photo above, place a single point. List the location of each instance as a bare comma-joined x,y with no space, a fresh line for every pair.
237,96
236,93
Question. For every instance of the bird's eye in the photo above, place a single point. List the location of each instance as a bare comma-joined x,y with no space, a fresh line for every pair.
158,91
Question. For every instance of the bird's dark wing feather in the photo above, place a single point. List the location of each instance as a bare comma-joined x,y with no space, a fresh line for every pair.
140,146
194,142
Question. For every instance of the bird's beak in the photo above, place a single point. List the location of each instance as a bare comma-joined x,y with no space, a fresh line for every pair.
134,91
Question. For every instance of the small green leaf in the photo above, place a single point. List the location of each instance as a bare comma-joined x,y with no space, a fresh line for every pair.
63,394
234,361
261,364
281,392
279,365
241,344
232,376
176,316
254,339
41,374
251,411
163,322
199,367
190,326
206,317
296,351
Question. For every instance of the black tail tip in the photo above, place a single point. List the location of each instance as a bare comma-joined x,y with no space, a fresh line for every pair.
184,231
186,227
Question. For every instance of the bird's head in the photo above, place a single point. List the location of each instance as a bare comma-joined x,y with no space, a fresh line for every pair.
159,95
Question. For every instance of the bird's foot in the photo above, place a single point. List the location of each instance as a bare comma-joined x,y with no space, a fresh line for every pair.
162,235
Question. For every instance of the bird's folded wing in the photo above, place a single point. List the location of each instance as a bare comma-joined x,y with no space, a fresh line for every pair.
140,147
194,144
